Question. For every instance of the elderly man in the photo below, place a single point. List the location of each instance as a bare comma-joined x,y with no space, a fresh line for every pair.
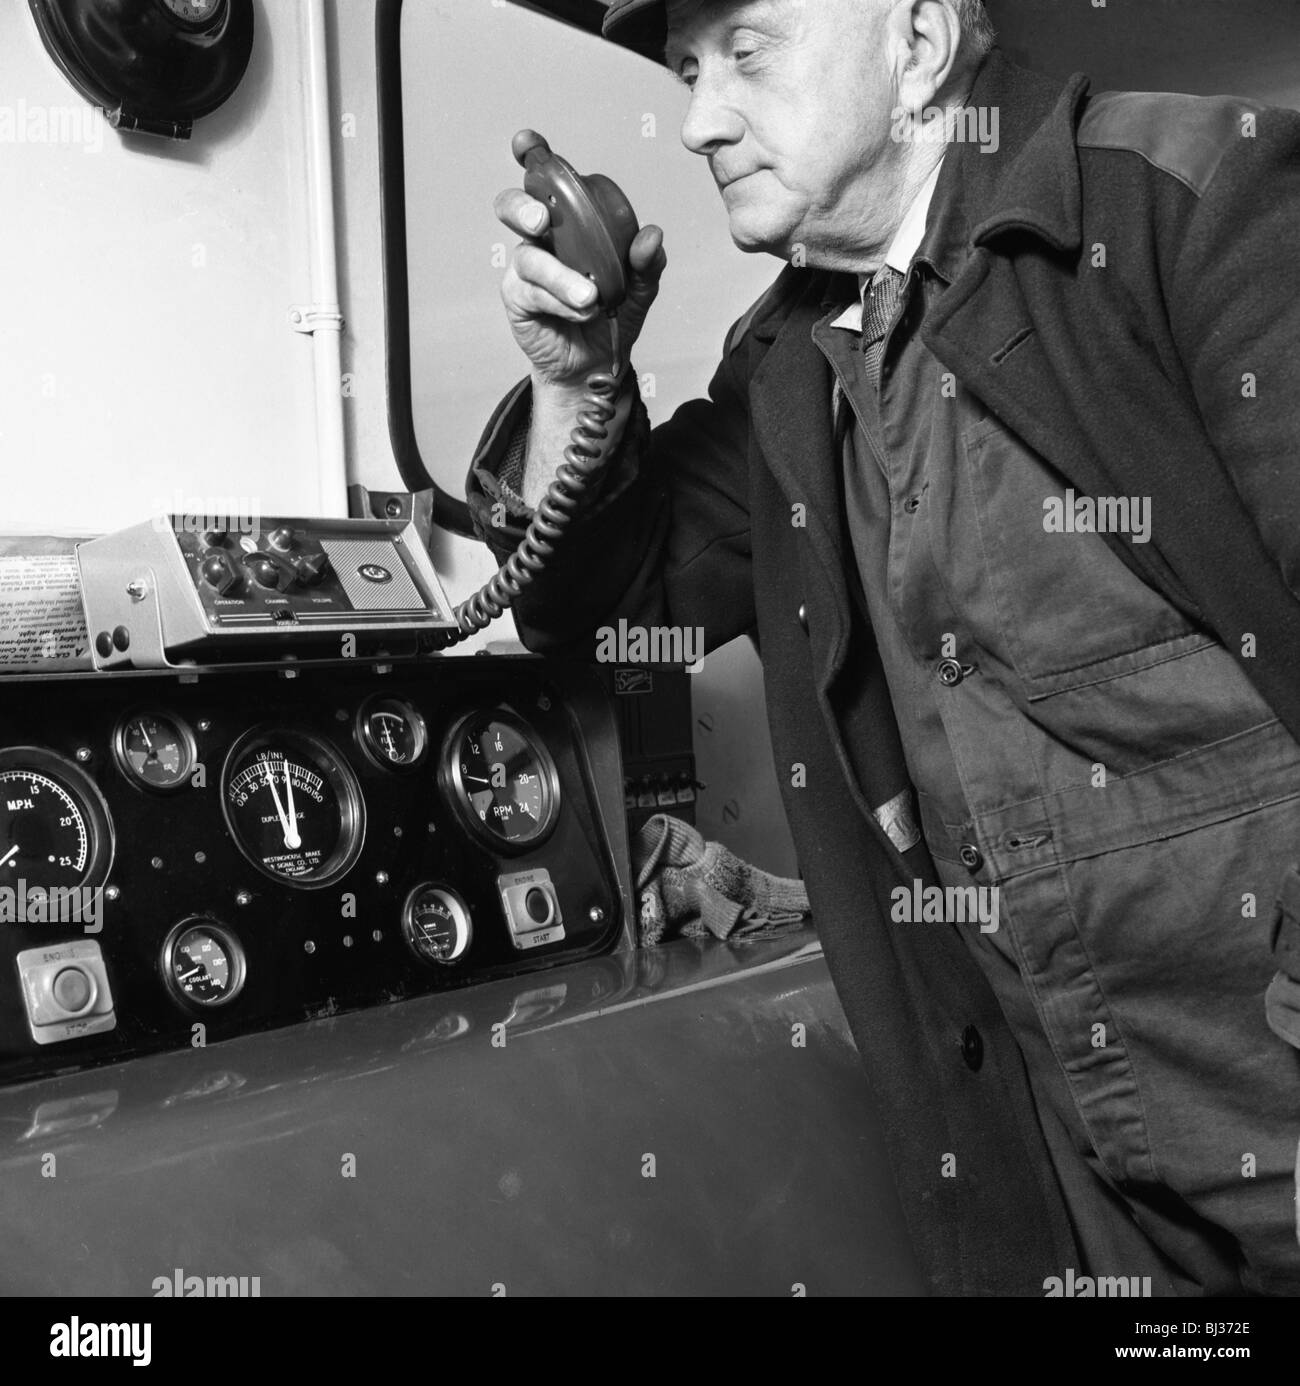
1000,474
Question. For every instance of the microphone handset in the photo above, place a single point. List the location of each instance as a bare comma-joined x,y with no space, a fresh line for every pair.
592,227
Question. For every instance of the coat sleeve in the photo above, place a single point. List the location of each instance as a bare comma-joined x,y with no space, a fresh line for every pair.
1234,303
665,540
1235,312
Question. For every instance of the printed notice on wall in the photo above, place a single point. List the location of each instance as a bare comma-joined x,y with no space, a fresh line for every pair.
42,627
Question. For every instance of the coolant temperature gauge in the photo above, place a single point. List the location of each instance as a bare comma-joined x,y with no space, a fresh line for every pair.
203,964
436,924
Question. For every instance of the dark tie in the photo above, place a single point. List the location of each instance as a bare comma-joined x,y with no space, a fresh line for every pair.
877,314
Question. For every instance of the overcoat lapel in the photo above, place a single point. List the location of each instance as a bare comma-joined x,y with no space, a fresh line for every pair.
790,413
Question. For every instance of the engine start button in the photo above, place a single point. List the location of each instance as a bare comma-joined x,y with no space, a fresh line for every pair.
532,908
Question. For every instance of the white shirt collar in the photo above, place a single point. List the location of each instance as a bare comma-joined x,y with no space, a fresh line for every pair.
907,241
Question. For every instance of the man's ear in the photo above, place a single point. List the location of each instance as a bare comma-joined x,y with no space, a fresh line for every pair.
931,30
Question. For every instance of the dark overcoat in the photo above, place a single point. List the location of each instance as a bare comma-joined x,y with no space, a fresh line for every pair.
1130,309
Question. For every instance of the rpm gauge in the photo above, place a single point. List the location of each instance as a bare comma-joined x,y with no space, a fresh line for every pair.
54,825
293,807
501,779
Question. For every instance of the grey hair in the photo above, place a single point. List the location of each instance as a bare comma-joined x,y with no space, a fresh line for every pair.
977,32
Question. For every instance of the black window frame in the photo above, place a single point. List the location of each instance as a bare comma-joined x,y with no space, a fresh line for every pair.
449,512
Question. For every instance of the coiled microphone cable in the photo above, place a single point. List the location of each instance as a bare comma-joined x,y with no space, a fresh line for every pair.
583,460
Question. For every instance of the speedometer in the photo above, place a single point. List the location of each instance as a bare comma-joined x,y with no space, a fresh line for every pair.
54,825
293,807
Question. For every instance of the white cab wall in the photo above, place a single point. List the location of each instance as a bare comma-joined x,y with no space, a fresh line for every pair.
145,290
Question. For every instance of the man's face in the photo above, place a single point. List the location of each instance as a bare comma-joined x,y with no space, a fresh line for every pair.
791,104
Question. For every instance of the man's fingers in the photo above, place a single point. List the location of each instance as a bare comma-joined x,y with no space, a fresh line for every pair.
647,252
524,215
536,301
539,267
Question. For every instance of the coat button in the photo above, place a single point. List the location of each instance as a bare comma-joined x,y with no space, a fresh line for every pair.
972,1048
803,616
912,504
950,672
971,857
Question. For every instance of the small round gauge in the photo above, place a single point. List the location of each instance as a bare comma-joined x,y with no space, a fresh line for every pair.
501,779
55,828
392,733
293,807
203,963
436,924
195,14
155,751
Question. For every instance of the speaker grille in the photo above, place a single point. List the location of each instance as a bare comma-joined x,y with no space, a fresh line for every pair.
351,557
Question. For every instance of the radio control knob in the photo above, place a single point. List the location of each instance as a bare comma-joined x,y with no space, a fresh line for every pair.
219,572
281,539
311,568
265,572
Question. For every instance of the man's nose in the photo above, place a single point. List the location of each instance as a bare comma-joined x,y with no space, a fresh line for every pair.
710,120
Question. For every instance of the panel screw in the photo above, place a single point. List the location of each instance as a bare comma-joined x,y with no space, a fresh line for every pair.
596,914
243,898
137,589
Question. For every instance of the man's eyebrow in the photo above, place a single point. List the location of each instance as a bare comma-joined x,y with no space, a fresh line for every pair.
755,12
674,54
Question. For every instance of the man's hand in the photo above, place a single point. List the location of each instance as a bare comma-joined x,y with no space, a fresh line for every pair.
565,334
552,309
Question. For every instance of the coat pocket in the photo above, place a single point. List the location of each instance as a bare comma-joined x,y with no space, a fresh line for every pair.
1070,611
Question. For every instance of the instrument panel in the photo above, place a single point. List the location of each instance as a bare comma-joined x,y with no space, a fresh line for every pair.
186,857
